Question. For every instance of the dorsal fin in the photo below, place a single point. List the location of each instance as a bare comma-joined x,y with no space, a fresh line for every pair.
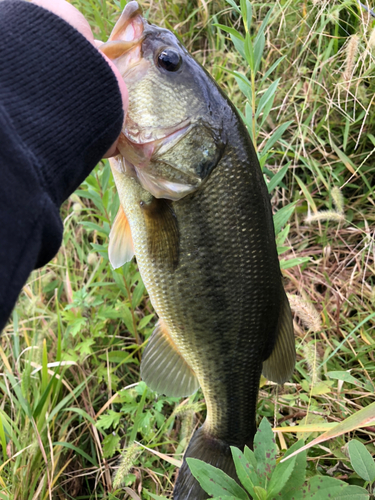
164,369
280,365
120,248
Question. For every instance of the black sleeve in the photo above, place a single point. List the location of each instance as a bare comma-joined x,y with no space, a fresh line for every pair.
60,111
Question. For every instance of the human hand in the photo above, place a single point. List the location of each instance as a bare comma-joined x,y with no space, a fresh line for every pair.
72,16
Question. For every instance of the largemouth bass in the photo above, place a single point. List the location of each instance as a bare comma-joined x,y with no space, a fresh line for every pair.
196,213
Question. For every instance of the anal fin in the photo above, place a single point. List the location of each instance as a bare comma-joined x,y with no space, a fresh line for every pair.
120,248
164,369
280,365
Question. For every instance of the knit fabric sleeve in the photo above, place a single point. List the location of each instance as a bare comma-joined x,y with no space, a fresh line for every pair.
60,111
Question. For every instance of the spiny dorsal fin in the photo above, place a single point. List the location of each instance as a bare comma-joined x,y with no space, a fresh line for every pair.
120,248
164,369
280,365
162,231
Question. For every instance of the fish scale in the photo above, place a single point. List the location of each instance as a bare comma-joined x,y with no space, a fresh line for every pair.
214,276
198,213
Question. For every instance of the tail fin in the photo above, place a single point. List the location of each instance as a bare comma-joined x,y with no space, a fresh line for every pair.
210,450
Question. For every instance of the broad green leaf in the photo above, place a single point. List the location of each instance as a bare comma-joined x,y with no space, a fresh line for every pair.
105,176
288,263
3,440
278,177
282,216
345,159
91,195
345,377
353,493
297,478
111,418
246,472
258,49
264,23
43,398
260,493
127,318
280,477
231,31
282,235
274,138
249,51
361,460
214,481
268,95
117,357
239,44
91,226
138,294
145,321
139,414
250,457
265,451
361,418
302,428
321,388
281,250
271,68
245,87
249,14
234,6
81,412
246,13
225,498
325,488
77,450
20,400
110,445
307,194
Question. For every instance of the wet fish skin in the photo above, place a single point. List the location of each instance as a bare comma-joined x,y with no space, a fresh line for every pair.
201,224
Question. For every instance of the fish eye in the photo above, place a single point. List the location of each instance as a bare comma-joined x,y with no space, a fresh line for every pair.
169,59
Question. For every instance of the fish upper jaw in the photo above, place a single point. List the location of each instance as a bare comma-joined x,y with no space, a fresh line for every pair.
124,43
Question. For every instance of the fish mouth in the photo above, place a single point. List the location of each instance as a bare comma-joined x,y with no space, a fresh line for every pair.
141,160
124,48
127,32
139,145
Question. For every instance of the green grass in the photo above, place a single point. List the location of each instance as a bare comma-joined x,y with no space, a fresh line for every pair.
71,400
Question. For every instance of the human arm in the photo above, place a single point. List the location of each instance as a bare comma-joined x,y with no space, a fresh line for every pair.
60,111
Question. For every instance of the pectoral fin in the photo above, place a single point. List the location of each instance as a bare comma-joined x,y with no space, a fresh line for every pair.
280,365
162,232
120,248
164,369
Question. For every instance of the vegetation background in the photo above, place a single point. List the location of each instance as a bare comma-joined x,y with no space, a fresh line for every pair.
75,422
